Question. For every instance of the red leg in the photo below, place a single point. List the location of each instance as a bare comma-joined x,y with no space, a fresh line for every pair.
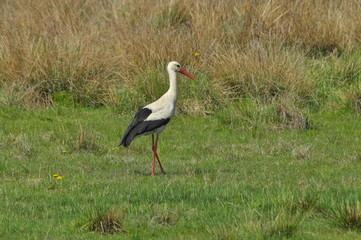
156,154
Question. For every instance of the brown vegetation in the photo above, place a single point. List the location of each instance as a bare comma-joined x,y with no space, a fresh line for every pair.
102,52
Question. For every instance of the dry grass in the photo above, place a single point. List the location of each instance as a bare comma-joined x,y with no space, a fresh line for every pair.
110,222
277,224
96,52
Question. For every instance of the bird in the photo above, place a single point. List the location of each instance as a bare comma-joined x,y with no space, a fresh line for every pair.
154,117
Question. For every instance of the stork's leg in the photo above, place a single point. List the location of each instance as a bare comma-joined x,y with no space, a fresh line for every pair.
156,154
154,149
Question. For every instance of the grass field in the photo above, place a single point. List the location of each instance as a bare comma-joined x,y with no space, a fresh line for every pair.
221,183
265,145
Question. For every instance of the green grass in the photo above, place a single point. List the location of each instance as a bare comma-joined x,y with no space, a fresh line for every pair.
221,183
265,145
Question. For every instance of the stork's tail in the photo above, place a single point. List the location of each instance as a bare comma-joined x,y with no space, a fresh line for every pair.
128,137
122,142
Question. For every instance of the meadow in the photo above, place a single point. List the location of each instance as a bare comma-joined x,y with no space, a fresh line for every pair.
265,145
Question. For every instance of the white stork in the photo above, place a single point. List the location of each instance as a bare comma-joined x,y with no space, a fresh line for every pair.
153,118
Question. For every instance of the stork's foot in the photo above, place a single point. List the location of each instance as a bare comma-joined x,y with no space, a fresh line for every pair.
152,174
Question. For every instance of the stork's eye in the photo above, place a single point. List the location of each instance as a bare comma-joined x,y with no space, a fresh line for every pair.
178,65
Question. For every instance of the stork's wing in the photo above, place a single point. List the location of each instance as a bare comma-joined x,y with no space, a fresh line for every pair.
138,118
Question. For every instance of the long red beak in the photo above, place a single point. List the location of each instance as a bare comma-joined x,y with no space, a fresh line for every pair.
183,71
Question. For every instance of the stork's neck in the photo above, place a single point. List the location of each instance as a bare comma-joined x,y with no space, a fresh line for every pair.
173,89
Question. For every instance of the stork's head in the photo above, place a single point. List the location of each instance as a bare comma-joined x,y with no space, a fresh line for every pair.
176,67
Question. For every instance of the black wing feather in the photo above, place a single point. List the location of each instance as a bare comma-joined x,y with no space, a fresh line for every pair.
141,115
139,126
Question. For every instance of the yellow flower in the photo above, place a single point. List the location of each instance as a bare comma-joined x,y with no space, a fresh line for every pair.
59,177
55,175
196,54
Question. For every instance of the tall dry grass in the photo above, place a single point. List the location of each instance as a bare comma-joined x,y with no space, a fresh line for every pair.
106,52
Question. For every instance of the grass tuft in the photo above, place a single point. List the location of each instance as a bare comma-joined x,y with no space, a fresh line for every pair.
291,116
276,223
163,217
110,222
308,202
348,215
283,225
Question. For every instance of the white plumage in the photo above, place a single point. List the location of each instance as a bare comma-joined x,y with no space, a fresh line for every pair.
154,117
